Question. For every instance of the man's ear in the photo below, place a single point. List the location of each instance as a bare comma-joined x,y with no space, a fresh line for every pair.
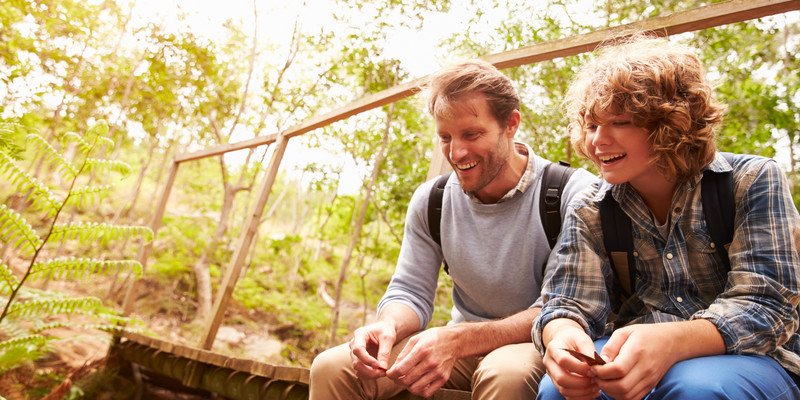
513,123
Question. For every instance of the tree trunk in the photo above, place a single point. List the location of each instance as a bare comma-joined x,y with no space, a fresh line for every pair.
200,268
125,210
359,224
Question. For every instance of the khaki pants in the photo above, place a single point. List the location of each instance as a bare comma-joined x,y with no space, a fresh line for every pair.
507,373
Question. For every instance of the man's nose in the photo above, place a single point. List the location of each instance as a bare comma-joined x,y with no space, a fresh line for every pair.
457,150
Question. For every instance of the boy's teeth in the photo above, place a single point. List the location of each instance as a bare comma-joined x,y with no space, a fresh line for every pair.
611,157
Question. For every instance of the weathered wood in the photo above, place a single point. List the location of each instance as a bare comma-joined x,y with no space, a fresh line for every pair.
227,148
691,20
680,22
180,367
439,164
232,377
155,223
245,240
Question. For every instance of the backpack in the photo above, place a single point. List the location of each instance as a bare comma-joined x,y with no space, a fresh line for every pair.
719,211
554,177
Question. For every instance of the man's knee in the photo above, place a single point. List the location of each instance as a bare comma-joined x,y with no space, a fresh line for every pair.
331,363
515,370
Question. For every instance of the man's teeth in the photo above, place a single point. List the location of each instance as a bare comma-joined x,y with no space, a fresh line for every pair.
611,157
467,165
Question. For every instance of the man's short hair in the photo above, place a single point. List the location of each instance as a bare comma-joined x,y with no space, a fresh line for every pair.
472,76
663,86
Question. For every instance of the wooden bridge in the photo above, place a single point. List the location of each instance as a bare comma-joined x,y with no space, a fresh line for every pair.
201,371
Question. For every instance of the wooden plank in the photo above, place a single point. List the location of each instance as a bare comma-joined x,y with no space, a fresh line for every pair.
226,148
155,223
242,248
680,22
439,164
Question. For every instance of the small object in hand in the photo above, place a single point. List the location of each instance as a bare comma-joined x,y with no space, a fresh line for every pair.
597,360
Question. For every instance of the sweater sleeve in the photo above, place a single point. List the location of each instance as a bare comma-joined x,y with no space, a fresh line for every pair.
416,273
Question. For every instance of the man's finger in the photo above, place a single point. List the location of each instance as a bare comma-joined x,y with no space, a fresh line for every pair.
384,351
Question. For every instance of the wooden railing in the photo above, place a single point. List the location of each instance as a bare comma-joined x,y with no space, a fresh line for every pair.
691,20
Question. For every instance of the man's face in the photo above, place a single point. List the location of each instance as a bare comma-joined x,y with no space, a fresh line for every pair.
475,144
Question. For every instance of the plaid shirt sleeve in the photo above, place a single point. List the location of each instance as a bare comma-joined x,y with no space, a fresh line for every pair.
575,282
754,305
757,311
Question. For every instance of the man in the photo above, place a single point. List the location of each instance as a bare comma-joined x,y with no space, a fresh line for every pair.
493,241
694,322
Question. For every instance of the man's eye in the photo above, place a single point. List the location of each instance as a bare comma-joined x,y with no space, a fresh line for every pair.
444,139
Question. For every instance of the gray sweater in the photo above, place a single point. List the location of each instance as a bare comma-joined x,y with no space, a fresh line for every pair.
493,251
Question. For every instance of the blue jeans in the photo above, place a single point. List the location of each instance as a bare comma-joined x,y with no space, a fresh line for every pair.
715,377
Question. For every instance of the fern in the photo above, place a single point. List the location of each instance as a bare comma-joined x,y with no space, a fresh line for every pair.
99,232
15,230
40,196
98,165
8,282
89,194
110,328
26,312
79,268
67,305
27,347
26,340
7,142
96,138
52,156
83,146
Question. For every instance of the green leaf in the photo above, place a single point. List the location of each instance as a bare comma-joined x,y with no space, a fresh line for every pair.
87,195
8,282
51,155
81,268
101,232
15,229
101,165
40,195
51,306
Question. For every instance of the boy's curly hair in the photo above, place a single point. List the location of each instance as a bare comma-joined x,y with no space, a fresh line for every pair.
663,87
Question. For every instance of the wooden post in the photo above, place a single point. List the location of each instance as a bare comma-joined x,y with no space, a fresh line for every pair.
245,240
439,164
155,223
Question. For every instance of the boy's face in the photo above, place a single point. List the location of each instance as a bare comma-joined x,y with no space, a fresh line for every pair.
476,145
621,150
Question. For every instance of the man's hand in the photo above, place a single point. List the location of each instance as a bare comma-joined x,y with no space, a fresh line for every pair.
641,355
426,362
370,349
571,376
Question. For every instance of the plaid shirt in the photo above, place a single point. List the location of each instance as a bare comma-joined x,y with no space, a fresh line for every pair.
681,277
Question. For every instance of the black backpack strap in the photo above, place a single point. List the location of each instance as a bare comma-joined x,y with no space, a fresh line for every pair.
618,240
554,178
435,211
719,208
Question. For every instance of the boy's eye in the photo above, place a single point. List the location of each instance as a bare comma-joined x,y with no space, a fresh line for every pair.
591,127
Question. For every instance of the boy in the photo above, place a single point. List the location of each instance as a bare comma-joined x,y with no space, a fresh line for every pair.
691,327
